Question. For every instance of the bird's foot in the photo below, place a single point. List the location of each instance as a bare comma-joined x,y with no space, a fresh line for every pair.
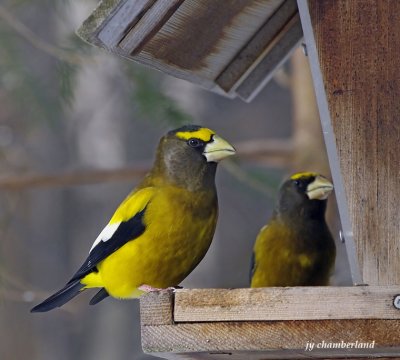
149,288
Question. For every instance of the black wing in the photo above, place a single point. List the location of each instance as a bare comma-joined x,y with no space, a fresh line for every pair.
126,231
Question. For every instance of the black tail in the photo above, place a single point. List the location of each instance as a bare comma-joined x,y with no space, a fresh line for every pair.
101,295
58,299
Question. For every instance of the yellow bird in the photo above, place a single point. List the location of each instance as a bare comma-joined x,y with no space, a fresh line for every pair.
162,230
296,247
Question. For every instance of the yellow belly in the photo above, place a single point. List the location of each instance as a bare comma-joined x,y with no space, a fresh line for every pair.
282,260
179,230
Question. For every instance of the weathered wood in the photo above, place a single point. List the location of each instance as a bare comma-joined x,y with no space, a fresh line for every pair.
96,21
310,152
198,41
126,16
252,51
330,141
276,54
225,331
148,25
191,46
156,308
273,340
356,46
298,303
265,355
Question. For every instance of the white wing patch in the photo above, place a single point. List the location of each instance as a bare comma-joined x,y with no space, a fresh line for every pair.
106,234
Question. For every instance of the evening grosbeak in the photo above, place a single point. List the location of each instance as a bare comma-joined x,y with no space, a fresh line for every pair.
296,247
162,230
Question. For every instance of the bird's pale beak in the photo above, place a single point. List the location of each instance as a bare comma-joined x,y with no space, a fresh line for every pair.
218,149
319,189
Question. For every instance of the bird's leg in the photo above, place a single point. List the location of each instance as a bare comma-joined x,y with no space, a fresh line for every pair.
149,288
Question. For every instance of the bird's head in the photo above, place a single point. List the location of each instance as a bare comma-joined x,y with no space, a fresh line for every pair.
188,156
304,194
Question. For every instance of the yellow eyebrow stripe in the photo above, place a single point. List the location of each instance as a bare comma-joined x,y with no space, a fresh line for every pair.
203,134
303,175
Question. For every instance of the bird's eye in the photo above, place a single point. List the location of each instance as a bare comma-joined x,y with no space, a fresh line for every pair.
297,183
194,142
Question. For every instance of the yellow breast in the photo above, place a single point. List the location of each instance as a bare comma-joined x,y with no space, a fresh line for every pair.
179,229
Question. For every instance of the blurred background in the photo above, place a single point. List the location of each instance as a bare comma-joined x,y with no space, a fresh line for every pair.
78,129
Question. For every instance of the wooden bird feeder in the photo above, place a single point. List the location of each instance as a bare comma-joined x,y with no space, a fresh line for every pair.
233,47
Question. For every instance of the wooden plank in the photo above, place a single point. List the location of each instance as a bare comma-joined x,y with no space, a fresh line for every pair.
217,41
156,308
357,44
330,141
125,17
310,151
247,56
164,337
198,41
265,355
273,340
277,52
162,35
261,356
298,303
148,25
97,20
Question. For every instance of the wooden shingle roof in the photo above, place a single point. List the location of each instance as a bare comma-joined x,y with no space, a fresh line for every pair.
228,46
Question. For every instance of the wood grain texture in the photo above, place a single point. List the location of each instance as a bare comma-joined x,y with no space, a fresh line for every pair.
357,43
192,47
164,335
190,39
279,339
90,28
195,39
251,52
199,41
266,355
156,308
274,56
127,15
148,25
298,303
